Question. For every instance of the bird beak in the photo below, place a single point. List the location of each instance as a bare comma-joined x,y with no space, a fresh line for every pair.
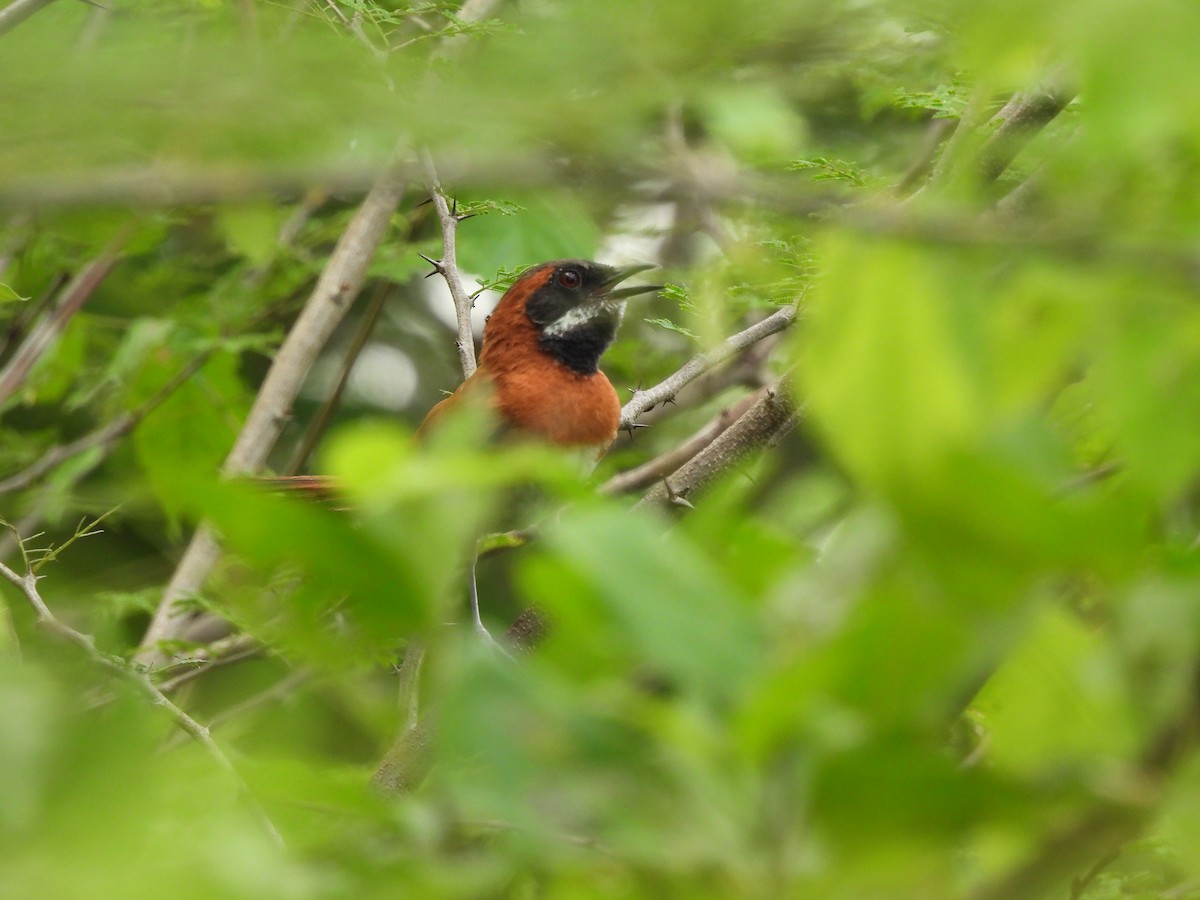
606,289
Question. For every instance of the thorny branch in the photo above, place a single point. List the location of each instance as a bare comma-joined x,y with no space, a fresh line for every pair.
447,267
27,585
769,419
664,464
700,363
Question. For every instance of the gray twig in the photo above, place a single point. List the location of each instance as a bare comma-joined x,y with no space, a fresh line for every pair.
321,420
663,465
18,11
447,267
1016,124
761,426
700,363
43,336
27,585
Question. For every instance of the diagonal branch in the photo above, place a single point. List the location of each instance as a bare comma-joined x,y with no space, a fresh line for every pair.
18,11
104,437
663,465
339,283
762,425
325,414
702,362
42,337
1017,123
27,585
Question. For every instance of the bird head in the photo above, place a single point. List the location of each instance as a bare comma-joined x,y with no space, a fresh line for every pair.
576,306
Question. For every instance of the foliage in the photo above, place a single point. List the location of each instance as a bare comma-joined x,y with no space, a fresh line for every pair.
941,642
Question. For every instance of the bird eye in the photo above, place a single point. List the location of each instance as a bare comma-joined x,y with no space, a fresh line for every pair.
570,278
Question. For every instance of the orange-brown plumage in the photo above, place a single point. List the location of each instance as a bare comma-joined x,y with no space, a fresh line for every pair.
538,368
539,385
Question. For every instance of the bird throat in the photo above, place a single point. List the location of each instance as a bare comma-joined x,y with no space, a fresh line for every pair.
580,336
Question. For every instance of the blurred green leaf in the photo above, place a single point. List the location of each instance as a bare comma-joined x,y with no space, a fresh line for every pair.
687,620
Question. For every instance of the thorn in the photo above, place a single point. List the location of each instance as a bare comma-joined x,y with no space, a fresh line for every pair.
632,425
671,400
676,498
438,268
454,206
466,216
633,392
424,202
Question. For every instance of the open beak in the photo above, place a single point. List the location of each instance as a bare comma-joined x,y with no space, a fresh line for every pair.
618,275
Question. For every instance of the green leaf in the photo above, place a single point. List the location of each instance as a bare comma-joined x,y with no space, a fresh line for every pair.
946,101
890,364
8,295
680,613
252,231
825,169
671,326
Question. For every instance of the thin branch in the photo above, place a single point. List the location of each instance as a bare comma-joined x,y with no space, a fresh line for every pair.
340,281
447,267
42,337
663,465
762,425
937,132
18,11
955,147
700,363
84,529
176,183
277,691
354,26
471,11
105,437
1016,125
27,584
1079,885
321,420
745,370
223,652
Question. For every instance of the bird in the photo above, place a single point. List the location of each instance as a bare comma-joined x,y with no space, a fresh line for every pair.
541,352
539,366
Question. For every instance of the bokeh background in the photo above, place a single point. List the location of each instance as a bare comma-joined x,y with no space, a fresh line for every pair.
938,641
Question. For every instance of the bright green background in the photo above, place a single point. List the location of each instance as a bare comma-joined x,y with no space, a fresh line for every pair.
901,655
